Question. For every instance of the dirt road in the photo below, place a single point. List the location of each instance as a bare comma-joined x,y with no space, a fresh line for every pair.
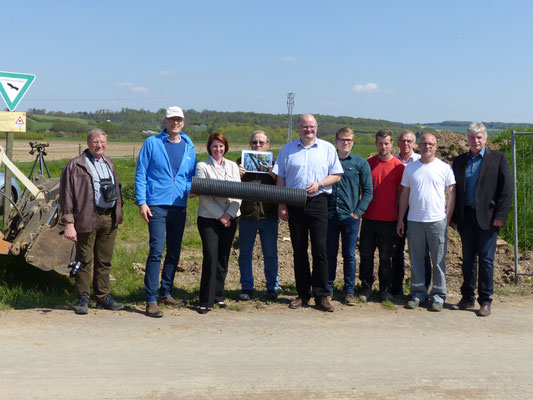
365,352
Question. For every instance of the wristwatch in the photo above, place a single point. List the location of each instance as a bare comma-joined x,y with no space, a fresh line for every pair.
320,186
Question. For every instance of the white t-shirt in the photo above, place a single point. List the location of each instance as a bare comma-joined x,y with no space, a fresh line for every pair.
427,184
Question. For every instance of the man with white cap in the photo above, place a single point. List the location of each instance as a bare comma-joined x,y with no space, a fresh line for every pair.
165,168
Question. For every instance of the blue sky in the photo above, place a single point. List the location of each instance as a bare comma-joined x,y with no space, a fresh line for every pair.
406,61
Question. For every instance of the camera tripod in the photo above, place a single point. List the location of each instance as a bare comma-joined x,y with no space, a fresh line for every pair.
39,158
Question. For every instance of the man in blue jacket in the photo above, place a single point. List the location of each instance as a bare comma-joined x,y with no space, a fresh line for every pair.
165,167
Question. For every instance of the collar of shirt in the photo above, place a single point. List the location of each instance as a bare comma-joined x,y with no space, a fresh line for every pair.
314,144
481,153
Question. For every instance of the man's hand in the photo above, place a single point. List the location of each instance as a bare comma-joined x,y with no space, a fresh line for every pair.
356,216
283,212
70,232
145,212
312,188
498,223
400,228
225,220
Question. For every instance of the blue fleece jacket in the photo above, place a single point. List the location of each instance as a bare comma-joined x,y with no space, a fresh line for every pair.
155,184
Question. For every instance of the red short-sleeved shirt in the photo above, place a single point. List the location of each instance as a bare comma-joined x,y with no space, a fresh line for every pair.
386,177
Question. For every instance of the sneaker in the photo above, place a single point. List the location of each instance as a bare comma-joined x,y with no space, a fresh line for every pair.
349,299
413,304
246,295
171,301
271,295
364,296
109,303
153,310
82,307
436,307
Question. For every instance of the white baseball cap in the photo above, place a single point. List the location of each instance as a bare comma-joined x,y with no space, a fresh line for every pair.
174,111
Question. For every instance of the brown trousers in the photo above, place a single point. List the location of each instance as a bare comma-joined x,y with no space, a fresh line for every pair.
96,249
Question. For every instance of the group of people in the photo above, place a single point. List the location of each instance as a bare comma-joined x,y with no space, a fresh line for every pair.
386,197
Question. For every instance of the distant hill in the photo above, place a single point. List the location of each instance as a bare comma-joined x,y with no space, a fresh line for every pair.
237,126
461,126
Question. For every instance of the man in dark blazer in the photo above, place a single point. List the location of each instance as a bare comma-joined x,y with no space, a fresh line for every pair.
484,193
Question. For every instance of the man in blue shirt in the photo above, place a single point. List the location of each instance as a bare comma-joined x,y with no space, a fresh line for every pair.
348,201
484,194
165,168
312,164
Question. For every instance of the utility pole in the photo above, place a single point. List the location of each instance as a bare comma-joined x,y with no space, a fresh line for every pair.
290,105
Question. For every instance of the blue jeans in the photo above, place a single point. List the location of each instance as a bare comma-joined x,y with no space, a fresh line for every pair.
434,235
166,221
348,229
268,233
478,245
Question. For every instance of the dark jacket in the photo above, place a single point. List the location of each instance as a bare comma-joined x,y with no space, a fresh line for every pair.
76,195
257,210
494,190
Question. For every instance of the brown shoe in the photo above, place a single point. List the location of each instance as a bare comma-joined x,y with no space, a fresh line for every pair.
464,304
349,300
484,311
153,310
171,301
325,305
298,303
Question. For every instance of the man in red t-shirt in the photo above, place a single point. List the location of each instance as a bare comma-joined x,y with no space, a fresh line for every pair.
378,228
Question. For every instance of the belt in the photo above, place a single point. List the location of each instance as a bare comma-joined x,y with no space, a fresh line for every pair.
318,196
103,211
470,208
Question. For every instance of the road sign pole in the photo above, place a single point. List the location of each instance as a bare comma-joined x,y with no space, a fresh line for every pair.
7,183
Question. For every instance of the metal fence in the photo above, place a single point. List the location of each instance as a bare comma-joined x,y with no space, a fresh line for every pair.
522,147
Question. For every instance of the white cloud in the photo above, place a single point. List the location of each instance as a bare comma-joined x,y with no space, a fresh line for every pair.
289,59
167,72
139,89
258,96
125,84
367,87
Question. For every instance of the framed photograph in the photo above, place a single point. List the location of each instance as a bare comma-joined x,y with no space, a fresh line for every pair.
257,161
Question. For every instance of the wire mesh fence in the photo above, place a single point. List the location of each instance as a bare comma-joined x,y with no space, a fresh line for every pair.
522,148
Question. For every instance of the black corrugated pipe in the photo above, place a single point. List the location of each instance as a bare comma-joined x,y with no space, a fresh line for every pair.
249,191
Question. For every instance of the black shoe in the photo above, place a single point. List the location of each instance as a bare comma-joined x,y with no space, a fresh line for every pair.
221,304
109,303
246,295
203,310
82,307
271,295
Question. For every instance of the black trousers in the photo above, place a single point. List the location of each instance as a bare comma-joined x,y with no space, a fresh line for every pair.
304,222
380,234
216,247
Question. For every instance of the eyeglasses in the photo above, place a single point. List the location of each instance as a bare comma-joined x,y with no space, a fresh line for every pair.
428,144
310,127
257,143
406,141
344,140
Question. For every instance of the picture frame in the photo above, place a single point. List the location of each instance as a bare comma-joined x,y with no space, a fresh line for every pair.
257,161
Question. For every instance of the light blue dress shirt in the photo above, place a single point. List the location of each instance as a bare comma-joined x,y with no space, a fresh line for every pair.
299,165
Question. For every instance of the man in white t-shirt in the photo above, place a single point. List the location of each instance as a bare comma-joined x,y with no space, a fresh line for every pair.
425,184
